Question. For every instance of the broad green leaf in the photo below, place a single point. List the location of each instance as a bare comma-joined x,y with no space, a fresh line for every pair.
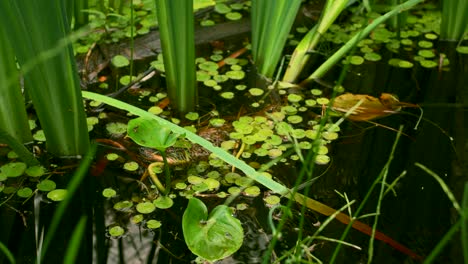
212,237
149,133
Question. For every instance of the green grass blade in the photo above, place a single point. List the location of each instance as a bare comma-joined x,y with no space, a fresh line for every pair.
381,175
13,116
7,253
338,55
454,21
464,224
271,23
72,187
442,243
301,54
176,26
75,242
36,27
442,184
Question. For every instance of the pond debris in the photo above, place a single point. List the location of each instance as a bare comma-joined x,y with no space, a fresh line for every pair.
371,107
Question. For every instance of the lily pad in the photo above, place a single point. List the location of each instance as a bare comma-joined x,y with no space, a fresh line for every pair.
145,207
109,193
153,224
57,195
149,133
120,61
214,236
24,192
163,202
46,186
116,231
13,169
35,171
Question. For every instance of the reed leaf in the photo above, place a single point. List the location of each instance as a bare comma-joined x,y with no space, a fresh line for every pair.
72,188
35,27
454,22
176,27
271,22
13,118
299,58
338,55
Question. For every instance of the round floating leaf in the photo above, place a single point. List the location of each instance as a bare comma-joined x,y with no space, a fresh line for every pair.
428,63
163,202
216,57
316,92
39,135
425,44
194,179
137,218
208,66
57,195
210,83
252,191
217,122
222,8
212,237
310,102
294,98
116,231
322,159
130,166
149,133
112,156
192,116
430,36
405,64
207,22
155,110
255,91
372,56
116,128
227,95
46,186
145,207
294,119
109,192
120,61
153,224
212,184
35,171
125,80
329,135
356,60
123,206
272,200
233,15
322,100
24,192
235,75
13,169
426,53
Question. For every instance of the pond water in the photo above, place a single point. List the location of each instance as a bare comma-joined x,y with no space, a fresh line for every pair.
416,212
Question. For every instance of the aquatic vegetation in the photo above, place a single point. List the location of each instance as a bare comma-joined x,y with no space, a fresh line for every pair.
253,146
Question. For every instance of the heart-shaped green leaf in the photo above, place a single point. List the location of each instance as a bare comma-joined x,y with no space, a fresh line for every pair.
211,237
149,133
